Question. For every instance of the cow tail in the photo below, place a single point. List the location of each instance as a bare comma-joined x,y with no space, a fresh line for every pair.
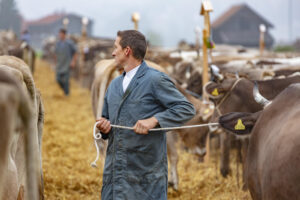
95,95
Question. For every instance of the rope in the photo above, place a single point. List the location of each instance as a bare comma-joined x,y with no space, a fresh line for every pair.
97,136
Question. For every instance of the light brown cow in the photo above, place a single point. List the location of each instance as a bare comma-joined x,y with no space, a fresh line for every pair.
16,133
273,160
22,72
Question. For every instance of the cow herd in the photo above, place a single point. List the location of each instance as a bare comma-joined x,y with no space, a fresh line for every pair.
255,100
229,91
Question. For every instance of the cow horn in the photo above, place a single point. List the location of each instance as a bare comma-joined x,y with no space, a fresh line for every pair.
237,76
216,72
258,97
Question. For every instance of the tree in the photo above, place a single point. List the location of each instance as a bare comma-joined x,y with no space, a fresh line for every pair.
154,38
9,16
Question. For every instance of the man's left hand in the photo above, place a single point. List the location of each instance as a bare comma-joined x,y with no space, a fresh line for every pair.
143,126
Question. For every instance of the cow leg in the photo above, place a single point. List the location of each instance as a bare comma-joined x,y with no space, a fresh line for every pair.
173,160
40,135
225,154
9,121
245,143
5,135
11,182
21,193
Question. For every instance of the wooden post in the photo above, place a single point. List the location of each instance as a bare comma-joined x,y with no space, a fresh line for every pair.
82,46
65,23
204,81
197,42
84,22
262,30
205,59
206,7
135,18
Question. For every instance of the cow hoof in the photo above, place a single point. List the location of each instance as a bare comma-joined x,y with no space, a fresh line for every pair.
225,172
173,185
201,159
21,193
245,187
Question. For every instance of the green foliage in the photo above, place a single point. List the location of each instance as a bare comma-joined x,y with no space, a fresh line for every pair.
154,38
9,16
284,48
38,53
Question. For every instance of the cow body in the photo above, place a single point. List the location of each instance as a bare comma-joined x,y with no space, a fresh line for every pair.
22,72
17,154
273,160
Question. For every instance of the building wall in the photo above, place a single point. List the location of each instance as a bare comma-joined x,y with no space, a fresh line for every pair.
242,29
41,32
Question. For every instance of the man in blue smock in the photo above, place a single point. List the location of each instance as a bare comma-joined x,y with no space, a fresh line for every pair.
144,98
65,52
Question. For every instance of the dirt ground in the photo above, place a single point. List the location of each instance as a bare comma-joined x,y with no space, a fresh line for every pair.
68,149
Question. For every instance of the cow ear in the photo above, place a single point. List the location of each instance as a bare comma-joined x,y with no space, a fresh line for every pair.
214,90
239,123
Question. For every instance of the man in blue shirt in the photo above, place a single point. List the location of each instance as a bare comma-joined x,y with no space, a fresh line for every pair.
65,52
143,98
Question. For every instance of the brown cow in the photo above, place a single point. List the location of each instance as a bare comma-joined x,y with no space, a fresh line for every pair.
235,95
273,160
17,128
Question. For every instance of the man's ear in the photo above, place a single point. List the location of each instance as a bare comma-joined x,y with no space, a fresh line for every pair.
127,50
239,123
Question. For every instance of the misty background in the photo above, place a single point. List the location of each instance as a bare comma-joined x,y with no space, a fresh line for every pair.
166,22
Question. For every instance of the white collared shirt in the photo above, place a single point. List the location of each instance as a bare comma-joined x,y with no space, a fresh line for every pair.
128,77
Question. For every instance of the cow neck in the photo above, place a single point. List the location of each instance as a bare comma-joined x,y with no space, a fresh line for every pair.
226,95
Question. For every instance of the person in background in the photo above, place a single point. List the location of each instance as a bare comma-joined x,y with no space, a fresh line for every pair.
25,36
65,52
143,98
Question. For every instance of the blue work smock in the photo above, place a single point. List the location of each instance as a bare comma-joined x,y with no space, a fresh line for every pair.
136,165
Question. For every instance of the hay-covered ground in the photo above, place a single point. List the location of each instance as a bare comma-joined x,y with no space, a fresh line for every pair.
68,150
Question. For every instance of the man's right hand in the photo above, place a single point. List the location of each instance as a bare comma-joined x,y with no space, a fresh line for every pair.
103,125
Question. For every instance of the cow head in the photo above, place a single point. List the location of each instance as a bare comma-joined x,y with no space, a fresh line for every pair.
218,92
239,123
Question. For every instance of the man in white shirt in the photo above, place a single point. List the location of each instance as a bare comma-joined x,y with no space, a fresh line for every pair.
143,98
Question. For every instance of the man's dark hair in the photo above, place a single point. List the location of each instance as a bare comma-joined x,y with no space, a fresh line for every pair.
62,30
135,40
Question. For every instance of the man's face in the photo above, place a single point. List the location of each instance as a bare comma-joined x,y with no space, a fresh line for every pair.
118,53
61,36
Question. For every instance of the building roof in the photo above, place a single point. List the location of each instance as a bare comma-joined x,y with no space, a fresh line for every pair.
47,19
232,11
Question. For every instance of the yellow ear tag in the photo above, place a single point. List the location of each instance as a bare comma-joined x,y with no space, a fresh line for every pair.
239,125
215,92
206,111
